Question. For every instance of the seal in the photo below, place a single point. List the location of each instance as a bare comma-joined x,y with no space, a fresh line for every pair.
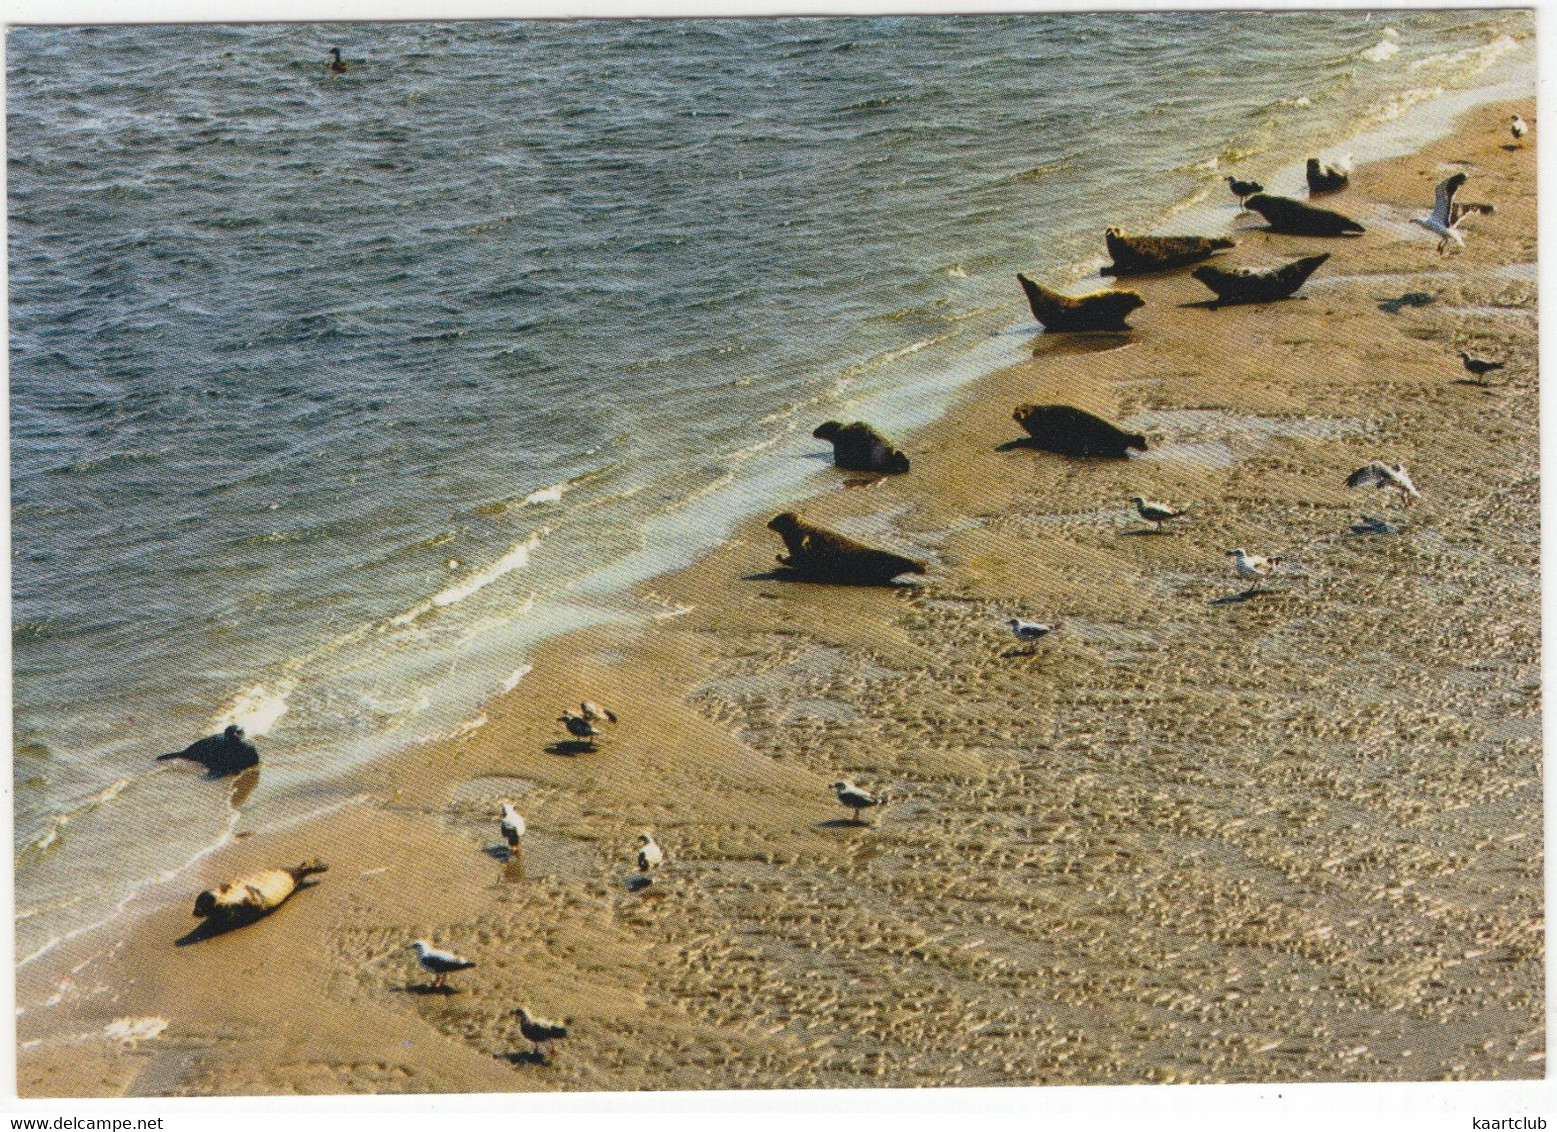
1294,218
1096,310
821,555
1074,432
1137,255
221,755
861,448
1241,285
249,897
337,64
1323,179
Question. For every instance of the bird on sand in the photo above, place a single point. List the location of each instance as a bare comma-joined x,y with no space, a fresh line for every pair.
538,1031
857,799
1030,631
1155,513
578,726
337,64
1443,222
1253,566
650,855
440,964
1518,128
512,827
1381,475
1479,367
595,713
1243,190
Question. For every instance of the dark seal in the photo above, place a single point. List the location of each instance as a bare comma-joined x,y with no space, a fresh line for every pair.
1137,255
1323,179
1074,432
820,555
1244,286
1294,218
221,755
1098,310
861,448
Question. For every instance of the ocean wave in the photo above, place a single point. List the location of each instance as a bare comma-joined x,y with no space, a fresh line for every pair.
256,709
517,558
1385,49
1485,55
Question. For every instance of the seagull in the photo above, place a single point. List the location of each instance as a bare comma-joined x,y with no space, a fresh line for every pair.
1030,631
337,64
1381,475
1443,223
595,713
1157,513
578,726
1480,367
1243,189
856,798
650,855
1253,566
439,963
1518,128
539,1030
512,826
1347,163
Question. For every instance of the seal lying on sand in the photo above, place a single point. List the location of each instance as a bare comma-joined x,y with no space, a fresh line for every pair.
861,448
1135,255
1097,310
1323,179
250,897
823,556
223,754
1072,432
1295,218
1241,285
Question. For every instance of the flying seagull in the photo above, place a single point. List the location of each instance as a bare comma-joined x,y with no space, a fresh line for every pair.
856,798
512,826
1443,222
538,1031
1518,128
440,964
1381,475
1253,566
1155,513
650,855
1480,367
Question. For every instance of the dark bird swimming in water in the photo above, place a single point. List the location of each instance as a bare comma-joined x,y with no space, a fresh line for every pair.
337,64
221,755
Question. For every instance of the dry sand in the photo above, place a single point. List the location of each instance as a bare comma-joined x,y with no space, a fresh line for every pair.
1295,837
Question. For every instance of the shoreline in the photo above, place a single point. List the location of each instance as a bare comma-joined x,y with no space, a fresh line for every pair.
736,713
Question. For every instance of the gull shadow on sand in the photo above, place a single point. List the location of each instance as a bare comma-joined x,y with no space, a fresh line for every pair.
572,748
501,853
1137,532
523,1057
427,988
844,823
638,883
1409,299
1246,595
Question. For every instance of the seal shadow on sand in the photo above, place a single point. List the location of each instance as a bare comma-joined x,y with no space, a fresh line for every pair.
1081,341
1246,595
1218,304
1031,444
427,989
785,574
210,929
844,823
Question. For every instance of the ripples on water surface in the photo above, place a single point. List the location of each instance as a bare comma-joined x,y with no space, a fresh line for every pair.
331,393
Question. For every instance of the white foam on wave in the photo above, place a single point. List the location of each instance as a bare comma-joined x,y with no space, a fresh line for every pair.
1385,49
552,494
517,558
257,710
515,676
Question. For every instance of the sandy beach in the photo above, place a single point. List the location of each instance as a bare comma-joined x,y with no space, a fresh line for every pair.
1190,838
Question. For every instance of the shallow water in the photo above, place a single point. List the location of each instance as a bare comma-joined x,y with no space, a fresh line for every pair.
331,395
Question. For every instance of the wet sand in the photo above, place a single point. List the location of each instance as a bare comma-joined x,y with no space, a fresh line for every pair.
1293,837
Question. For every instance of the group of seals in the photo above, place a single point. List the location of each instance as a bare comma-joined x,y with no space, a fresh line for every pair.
820,555
249,897
1243,285
1097,310
1137,255
1074,432
861,448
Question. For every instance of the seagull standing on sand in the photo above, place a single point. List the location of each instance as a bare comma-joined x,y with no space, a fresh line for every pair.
512,826
1479,367
1443,222
1381,475
1030,631
1253,566
1518,128
440,964
537,1031
650,855
1156,513
856,799
1243,190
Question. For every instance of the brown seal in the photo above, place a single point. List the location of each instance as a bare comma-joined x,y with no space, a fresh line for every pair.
861,448
824,556
1097,310
1074,432
1137,255
250,897
1295,218
1241,285
1323,179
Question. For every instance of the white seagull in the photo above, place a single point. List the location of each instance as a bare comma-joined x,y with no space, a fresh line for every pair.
1155,513
441,964
1030,631
512,826
1253,566
1381,475
856,798
1443,222
1518,128
650,855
